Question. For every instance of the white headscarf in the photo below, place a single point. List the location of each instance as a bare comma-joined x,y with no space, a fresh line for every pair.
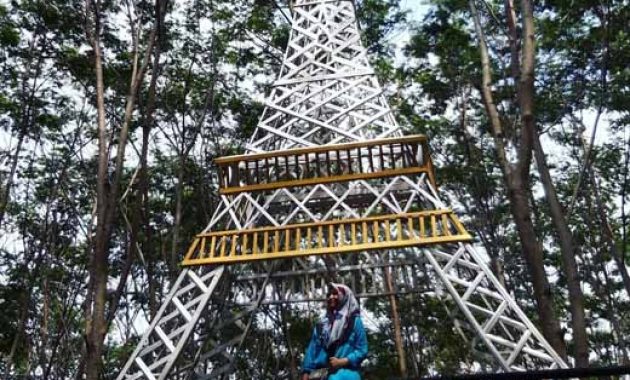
334,326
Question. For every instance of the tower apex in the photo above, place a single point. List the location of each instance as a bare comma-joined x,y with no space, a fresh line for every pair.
327,91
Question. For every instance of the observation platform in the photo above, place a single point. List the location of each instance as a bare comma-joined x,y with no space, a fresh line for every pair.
325,164
320,238
289,168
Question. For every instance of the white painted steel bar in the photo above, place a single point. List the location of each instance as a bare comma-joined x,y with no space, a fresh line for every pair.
326,93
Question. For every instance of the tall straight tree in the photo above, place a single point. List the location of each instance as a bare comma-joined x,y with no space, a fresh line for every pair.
564,235
516,172
573,92
107,192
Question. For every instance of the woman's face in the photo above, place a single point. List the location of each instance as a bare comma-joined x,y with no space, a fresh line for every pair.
332,300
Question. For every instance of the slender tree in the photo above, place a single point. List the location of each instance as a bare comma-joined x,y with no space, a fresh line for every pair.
107,192
517,174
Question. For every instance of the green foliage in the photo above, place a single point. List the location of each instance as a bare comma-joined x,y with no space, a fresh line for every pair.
570,82
378,19
207,105
9,36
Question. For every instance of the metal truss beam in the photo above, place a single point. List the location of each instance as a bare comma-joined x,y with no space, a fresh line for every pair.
162,343
328,169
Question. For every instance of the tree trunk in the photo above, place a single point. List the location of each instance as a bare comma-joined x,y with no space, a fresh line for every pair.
484,212
293,365
568,250
107,193
173,257
26,118
398,341
143,180
95,324
533,253
139,218
603,293
516,176
625,186
600,287
4,200
19,333
608,235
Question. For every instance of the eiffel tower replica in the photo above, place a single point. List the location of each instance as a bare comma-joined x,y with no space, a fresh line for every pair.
329,188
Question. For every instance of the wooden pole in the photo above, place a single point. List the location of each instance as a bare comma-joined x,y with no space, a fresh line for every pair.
400,350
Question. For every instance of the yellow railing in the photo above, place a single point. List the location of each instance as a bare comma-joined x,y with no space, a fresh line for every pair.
325,164
338,236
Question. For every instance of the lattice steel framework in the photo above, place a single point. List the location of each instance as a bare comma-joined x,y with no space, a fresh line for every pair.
328,188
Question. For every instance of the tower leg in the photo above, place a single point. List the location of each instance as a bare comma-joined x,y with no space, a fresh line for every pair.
169,331
490,312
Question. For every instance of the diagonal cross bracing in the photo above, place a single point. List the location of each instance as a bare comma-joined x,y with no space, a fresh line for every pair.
327,171
157,351
324,48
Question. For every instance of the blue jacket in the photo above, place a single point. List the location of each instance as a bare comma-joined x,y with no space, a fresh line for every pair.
355,349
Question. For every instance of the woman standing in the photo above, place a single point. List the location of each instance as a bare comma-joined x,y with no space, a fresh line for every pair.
338,343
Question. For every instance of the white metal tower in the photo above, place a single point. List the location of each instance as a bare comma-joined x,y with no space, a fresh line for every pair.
329,188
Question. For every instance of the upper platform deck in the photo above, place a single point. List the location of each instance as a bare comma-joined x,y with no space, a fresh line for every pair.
325,164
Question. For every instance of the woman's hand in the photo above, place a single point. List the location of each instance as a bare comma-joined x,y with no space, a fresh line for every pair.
338,362
305,376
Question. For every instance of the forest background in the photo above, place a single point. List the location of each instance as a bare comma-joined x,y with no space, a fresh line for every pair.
111,113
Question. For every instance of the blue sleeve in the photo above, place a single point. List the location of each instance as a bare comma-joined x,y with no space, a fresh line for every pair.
312,353
359,345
